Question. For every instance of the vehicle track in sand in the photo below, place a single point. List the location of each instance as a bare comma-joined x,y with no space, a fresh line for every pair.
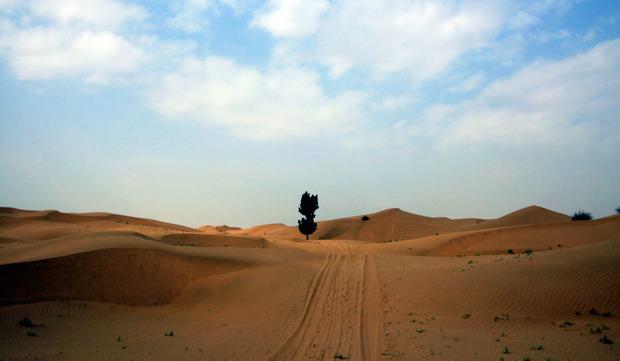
342,314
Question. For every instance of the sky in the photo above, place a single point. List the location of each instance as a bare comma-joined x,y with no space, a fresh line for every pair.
226,111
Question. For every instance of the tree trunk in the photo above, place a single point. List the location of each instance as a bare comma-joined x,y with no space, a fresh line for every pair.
306,237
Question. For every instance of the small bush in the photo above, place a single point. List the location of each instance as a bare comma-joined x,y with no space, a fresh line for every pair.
605,340
528,252
537,348
169,334
606,314
31,333
26,322
365,218
506,350
510,251
593,312
581,216
618,210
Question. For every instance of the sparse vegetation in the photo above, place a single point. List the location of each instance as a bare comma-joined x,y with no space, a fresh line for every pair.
506,350
567,324
581,216
606,314
365,218
502,317
537,348
528,252
605,340
169,334
31,333
339,356
308,205
466,316
593,312
118,339
26,322
618,210
510,251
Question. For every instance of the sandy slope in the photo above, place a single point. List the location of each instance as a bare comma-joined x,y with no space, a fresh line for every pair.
235,297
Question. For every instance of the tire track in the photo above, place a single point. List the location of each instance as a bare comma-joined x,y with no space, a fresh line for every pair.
342,313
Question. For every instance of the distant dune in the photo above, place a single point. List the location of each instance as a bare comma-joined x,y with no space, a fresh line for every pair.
395,224
40,225
218,229
528,215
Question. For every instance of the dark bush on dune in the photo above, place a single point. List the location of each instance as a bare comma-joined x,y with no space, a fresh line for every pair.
365,218
618,210
581,216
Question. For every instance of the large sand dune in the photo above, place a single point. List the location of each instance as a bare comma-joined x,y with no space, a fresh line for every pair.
388,288
395,224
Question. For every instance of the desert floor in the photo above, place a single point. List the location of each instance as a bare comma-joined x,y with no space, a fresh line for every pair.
401,287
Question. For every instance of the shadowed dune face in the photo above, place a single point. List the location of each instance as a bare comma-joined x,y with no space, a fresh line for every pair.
124,276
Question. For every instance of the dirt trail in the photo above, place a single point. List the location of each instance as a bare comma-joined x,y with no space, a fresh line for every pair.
342,314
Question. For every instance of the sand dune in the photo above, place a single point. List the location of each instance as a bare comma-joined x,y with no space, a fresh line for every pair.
264,229
110,275
41,225
110,292
528,215
387,225
395,224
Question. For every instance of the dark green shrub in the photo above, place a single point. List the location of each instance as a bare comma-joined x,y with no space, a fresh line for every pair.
581,216
365,218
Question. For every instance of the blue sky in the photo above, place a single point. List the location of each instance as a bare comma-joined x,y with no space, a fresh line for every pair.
225,111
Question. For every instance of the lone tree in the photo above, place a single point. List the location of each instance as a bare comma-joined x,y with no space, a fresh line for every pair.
618,209
309,204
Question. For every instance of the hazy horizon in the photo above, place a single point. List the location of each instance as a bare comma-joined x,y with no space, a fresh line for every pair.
226,111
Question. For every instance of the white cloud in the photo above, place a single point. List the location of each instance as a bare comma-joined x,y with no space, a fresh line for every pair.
190,15
277,103
421,38
546,102
97,14
393,102
290,18
470,83
72,38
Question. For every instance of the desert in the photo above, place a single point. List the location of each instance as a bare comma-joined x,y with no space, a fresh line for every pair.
309,180
391,286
